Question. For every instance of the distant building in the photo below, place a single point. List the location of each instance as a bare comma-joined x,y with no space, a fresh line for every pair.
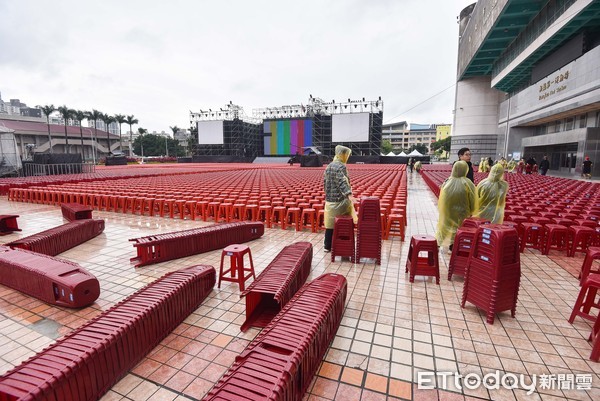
403,135
443,132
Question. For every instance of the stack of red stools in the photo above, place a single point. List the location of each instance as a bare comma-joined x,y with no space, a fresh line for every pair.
461,251
60,239
75,211
55,281
86,363
494,271
368,239
342,243
279,364
8,223
277,284
179,244
595,339
474,222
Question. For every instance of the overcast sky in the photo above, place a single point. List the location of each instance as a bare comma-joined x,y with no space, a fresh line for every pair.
158,60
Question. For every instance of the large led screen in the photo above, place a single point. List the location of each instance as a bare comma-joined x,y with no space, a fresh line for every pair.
210,132
350,127
287,137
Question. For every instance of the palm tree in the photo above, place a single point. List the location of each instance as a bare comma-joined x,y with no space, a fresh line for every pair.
175,129
142,131
131,120
79,115
66,113
120,118
107,121
47,110
94,115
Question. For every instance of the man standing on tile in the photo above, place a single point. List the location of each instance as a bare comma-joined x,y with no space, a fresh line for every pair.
338,192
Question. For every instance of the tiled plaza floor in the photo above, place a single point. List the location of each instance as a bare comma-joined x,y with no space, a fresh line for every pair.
391,329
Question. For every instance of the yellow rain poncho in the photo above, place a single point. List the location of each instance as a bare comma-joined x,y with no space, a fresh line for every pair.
338,189
511,165
418,166
491,196
456,203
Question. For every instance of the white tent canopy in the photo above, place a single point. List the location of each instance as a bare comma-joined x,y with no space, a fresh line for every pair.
391,154
415,153
402,154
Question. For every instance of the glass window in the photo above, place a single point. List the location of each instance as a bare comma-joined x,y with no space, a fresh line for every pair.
583,121
569,123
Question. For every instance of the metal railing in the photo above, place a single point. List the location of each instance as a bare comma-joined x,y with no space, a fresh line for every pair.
34,169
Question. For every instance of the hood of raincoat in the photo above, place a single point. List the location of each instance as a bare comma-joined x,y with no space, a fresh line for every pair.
496,173
460,169
342,153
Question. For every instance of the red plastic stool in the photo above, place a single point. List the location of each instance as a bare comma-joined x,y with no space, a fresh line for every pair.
308,219
224,212
251,212
586,298
593,253
461,250
423,266
278,216
581,238
321,219
292,217
556,237
8,223
595,339
212,210
237,270
395,226
264,214
238,212
343,238
532,233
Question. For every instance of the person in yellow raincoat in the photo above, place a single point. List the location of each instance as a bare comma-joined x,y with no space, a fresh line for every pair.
491,196
456,203
338,193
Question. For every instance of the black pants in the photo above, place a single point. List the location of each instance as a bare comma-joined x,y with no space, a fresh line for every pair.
328,238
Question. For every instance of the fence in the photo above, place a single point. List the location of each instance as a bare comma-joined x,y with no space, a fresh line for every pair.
35,169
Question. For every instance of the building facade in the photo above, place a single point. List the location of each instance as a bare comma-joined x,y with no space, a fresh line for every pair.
528,81
404,135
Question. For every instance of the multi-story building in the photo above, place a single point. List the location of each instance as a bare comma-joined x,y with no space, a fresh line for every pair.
443,131
528,81
403,135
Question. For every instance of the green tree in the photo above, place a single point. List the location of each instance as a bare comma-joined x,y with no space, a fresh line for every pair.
47,110
108,120
94,116
386,146
154,145
79,115
120,118
131,120
443,145
66,113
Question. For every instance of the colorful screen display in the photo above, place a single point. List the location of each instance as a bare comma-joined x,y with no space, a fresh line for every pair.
287,137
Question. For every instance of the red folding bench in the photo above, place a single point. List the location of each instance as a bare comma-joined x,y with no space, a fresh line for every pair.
8,223
277,284
60,239
75,211
280,363
86,363
179,244
54,281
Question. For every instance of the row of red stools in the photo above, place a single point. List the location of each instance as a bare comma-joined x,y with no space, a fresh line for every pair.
54,281
277,284
281,361
179,244
61,238
86,363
